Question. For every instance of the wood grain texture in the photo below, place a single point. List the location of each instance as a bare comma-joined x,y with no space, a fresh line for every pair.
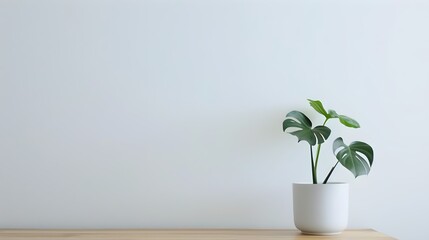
182,234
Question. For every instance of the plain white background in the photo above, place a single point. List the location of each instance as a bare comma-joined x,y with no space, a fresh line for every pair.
168,113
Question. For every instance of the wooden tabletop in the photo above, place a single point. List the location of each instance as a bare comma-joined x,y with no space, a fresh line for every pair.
182,234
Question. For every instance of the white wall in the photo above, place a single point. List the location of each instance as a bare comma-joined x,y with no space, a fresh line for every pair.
168,113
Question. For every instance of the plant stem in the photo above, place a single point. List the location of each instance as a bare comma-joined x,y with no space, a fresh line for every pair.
317,156
318,150
313,170
330,172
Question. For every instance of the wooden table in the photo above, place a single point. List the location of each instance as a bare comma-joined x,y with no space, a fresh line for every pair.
181,234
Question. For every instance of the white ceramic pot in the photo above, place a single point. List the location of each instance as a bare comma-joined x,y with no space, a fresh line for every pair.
321,209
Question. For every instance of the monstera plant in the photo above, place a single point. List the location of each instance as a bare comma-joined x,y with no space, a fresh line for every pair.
356,157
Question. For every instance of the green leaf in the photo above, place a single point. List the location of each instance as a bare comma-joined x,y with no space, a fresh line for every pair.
348,121
357,157
313,136
318,106
332,114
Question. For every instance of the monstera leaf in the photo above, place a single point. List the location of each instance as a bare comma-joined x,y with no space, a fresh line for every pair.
298,120
318,106
346,121
357,157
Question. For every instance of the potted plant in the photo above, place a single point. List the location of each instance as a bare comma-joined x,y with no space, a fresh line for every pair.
322,208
